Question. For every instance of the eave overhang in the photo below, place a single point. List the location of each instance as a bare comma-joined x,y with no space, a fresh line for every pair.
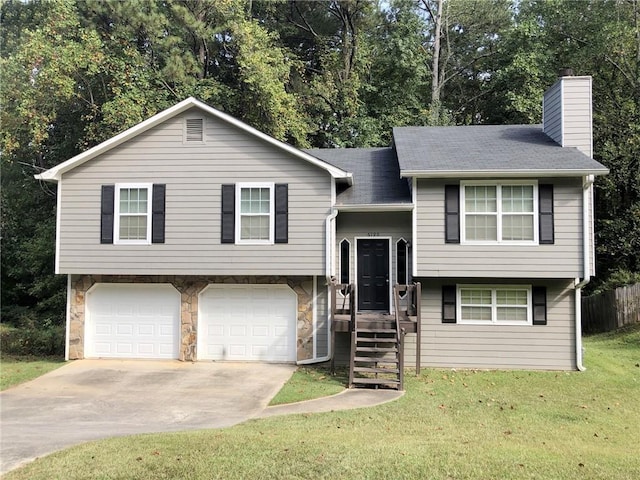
380,207
525,173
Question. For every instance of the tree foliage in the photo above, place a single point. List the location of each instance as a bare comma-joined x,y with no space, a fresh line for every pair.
331,73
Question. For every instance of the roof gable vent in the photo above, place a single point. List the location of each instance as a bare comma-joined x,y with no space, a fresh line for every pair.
194,130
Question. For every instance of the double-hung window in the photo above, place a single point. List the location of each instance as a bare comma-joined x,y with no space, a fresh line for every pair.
255,210
501,212
507,305
133,213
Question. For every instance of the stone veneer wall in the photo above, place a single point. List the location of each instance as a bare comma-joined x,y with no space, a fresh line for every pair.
189,288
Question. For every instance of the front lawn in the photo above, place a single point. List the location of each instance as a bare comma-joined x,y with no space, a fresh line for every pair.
450,425
19,369
308,383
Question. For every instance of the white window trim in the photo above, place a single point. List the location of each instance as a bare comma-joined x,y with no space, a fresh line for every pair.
116,220
184,130
499,213
494,307
271,187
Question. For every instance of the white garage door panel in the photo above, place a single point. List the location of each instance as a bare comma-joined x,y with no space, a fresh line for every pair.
247,322
132,321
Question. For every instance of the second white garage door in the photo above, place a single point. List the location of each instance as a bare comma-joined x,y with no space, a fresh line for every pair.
247,322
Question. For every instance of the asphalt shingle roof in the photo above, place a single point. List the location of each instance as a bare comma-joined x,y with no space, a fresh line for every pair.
489,148
376,176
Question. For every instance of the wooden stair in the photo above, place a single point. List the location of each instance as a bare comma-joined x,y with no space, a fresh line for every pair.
376,355
377,339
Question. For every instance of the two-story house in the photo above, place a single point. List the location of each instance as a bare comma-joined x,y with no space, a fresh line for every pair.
196,237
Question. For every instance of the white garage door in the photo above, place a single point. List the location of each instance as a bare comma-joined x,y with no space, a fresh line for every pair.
247,322
126,320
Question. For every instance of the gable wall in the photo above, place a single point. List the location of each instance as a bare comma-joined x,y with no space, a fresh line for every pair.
350,225
436,258
194,175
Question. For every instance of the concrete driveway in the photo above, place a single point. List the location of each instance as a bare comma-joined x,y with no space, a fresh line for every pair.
93,399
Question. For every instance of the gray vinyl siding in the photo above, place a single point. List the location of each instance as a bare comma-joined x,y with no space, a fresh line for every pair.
567,113
352,225
563,259
546,347
322,317
552,112
193,174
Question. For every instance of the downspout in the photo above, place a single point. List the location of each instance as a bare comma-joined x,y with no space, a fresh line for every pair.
68,319
329,241
586,256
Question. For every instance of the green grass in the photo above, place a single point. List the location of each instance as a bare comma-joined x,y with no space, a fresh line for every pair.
449,425
19,369
308,383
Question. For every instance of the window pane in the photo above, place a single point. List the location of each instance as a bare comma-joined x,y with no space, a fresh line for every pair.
344,261
401,262
133,200
480,198
475,297
511,297
481,227
517,198
254,200
476,313
254,227
511,314
517,227
133,227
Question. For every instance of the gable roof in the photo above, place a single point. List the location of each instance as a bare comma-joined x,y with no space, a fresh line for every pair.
376,177
487,150
55,174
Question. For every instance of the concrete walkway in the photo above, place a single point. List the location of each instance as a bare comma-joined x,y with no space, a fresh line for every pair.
89,400
346,400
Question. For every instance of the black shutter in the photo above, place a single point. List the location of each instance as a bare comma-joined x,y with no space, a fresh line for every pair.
448,304
157,213
228,223
106,213
452,213
539,295
282,213
545,213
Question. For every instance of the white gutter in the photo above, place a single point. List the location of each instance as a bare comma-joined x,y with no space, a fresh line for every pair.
586,256
515,173
377,207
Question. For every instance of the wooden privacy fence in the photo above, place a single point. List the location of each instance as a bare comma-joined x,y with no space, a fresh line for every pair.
611,310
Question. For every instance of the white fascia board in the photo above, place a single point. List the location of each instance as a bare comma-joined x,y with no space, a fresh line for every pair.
500,173
380,207
54,174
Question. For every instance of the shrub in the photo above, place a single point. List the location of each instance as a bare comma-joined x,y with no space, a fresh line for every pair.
32,337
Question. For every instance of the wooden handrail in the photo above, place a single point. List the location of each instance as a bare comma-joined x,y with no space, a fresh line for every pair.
348,291
412,301
400,337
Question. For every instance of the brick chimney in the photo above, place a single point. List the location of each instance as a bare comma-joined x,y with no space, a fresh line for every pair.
566,112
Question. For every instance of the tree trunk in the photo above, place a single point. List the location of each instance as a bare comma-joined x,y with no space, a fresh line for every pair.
435,63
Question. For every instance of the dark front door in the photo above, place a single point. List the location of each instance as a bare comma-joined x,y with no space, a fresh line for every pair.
373,274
